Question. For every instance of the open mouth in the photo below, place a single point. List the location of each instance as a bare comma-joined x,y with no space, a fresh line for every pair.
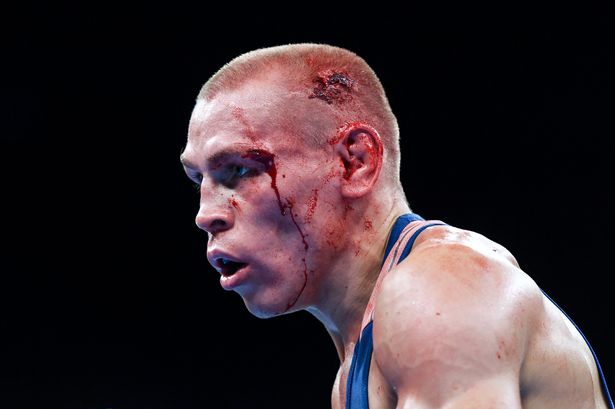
229,267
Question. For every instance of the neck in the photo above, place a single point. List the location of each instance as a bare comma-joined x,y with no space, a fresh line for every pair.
351,278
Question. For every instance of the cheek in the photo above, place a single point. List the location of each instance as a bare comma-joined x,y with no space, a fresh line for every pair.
333,236
311,204
317,208
268,208
254,207
335,228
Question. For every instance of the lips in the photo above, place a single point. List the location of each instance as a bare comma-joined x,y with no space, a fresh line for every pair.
226,265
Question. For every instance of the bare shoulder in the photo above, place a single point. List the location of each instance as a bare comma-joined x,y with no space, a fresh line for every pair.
459,310
450,268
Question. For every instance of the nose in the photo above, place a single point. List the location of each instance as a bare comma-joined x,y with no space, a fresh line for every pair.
214,218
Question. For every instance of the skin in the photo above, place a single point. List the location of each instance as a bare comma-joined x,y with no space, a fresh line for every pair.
456,325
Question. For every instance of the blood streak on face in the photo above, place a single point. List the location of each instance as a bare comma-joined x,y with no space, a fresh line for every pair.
239,115
312,202
234,203
267,159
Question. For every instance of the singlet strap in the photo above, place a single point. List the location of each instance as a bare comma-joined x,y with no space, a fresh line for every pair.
401,240
398,227
396,254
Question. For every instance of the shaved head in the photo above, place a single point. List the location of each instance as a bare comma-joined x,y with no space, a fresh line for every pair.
337,88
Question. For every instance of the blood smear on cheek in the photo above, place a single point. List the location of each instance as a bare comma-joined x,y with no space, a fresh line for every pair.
268,160
311,205
234,203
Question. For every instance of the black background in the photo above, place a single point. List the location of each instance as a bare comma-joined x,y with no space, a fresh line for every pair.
106,297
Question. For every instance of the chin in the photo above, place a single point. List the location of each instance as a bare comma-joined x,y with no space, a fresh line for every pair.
265,311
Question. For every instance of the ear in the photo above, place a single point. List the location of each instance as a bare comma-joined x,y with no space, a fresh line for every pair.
360,149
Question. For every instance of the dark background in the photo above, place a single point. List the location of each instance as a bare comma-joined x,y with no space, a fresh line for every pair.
106,297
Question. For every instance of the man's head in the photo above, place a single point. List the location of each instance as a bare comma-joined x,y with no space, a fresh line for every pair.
295,150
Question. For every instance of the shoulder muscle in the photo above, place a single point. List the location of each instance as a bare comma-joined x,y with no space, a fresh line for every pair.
451,321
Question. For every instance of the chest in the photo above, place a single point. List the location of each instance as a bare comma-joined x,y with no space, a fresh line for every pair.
380,393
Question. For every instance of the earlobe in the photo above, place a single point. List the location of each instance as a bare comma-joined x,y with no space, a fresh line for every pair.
361,152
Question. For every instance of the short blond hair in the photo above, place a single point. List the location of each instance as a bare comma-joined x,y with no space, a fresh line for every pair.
335,75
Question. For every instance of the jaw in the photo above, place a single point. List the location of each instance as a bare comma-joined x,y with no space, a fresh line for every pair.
279,296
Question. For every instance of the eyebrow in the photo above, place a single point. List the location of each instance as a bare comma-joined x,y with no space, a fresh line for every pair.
220,156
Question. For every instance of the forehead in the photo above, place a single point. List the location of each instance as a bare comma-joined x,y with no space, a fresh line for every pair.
262,113
232,116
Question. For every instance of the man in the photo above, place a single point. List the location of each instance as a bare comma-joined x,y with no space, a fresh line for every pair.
295,152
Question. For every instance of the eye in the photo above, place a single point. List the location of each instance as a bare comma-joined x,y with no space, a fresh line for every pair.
197,179
234,173
241,171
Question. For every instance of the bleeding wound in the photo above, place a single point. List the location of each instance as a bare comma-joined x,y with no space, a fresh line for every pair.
332,86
